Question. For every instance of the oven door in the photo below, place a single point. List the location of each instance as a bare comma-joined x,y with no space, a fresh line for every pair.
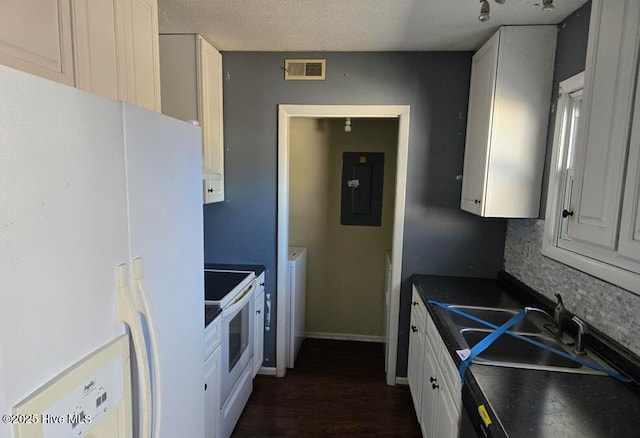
237,342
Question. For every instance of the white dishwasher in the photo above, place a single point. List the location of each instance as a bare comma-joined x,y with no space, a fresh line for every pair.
296,291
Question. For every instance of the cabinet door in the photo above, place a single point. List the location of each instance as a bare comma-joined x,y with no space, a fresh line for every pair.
417,339
141,57
258,335
629,245
212,394
210,109
430,383
447,418
481,97
95,47
603,138
35,36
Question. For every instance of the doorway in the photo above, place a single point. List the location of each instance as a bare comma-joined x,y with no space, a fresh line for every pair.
287,116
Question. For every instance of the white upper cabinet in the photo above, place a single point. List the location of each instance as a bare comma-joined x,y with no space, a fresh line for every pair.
142,53
106,47
511,77
95,42
35,36
630,220
592,221
603,137
192,90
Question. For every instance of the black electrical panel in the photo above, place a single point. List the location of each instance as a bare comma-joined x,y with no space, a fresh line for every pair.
362,174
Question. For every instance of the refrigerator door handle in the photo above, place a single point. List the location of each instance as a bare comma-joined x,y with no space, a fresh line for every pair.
129,315
143,309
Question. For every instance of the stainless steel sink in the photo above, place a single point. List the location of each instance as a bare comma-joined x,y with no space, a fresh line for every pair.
495,316
509,351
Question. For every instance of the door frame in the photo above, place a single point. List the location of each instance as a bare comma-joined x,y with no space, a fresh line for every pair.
285,113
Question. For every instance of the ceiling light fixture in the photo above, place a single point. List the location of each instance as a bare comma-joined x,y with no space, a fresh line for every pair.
347,125
484,11
547,5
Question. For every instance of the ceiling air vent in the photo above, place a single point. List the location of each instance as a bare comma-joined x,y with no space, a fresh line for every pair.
304,69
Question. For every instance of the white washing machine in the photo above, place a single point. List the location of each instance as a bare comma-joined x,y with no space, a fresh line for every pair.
296,291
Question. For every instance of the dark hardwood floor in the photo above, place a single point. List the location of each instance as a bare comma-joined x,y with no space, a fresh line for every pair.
337,389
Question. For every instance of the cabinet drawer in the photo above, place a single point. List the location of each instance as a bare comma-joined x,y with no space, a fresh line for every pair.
432,333
212,336
417,305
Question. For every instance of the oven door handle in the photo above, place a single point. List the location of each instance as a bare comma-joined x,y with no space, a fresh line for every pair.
240,301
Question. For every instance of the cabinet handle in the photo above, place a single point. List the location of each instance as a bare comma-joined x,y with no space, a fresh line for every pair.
262,284
415,303
435,386
414,329
476,201
205,386
258,311
210,190
432,379
566,213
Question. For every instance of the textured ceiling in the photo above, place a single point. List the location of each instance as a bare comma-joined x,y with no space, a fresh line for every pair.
350,25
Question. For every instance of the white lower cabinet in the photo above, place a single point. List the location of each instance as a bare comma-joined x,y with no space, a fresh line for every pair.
417,342
439,389
212,394
429,393
258,328
212,376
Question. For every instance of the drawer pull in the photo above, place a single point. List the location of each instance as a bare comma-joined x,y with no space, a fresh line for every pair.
414,329
435,386
415,303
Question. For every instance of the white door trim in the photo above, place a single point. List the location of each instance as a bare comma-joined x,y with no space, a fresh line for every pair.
285,113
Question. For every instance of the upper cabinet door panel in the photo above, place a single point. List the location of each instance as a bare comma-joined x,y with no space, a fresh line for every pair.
520,119
629,244
210,107
142,54
35,36
481,93
94,39
610,71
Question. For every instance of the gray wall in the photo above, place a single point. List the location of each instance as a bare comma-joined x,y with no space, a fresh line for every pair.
439,237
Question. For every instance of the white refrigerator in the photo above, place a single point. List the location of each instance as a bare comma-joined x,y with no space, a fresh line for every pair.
86,185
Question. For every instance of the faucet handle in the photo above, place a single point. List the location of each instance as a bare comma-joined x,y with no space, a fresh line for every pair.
582,330
582,326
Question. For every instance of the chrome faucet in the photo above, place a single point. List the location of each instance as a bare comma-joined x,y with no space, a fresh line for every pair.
582,330
552,326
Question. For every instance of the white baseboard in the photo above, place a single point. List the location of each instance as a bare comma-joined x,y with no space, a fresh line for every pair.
344,337
402,381
267,371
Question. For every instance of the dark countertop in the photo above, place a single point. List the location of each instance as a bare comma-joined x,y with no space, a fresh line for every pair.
530,403
210,313
257,269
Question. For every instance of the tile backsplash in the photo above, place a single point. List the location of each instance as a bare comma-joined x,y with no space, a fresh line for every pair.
613,310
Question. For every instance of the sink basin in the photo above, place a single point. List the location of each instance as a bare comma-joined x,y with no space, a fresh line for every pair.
512,352
494,316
